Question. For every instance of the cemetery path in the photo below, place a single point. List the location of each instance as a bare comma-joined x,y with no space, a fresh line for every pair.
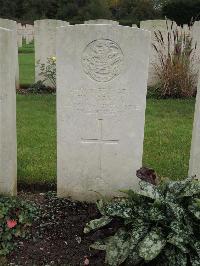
57,236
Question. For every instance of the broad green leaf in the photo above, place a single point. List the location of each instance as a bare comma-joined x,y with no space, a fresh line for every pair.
150,191
132,195
197,247
118,248
99,245
138,232
176,187
181,228
120,208
156,214
152,245
175,257
181,259
141,211
194,208
101,207
96,224
133,259
170,256
176,210
195,260
193,188
178,241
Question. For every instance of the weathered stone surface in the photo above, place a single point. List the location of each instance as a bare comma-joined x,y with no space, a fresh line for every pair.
194,166
12,25
29,33
45,41
19,35
196,42
102,21
8,150
101,100
25,32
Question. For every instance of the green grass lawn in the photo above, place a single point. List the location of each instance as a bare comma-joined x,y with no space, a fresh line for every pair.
36,130
167,132
166,148
27,65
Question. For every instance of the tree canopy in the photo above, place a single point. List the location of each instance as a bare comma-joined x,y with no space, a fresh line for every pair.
182,11
76,11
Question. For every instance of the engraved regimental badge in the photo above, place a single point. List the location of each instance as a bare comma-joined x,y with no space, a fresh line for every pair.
102,60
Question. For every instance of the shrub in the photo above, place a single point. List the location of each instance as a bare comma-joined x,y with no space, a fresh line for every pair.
39,88
15,218
158,224
48,71
175,70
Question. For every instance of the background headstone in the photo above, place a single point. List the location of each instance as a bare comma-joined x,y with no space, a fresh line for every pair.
12,25
102,75
29,33
102,21
194,167
45,41
19,35
8,150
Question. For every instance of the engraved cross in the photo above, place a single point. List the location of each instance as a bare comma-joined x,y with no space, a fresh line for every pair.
101,141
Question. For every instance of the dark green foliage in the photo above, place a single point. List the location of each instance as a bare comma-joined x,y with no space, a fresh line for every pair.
15,217
182,11
128,11
136,10
40,88
159,224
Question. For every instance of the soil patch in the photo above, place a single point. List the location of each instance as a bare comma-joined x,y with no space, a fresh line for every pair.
57,236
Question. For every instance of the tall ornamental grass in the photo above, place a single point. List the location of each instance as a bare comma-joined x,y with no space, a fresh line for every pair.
176,65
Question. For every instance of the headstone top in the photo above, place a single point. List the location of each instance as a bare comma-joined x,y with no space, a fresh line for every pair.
102,21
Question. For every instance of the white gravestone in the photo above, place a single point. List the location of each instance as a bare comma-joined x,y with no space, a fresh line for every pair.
19,35
196,42
194,166
29,33
101,100
12,25
102,21
45,41
8,150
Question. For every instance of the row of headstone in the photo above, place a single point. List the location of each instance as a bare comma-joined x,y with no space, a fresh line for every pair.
102,73
100,109
102,21
25,32
45,39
